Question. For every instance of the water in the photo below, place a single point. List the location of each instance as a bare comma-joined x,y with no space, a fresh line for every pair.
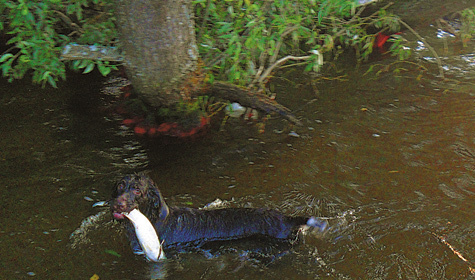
389,161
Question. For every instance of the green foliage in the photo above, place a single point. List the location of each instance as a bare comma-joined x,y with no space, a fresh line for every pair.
104,67
38,30
241,39
467,29
398,49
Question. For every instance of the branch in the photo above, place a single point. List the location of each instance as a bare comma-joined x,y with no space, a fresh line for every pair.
280,42
363,21
279,62
77,52
263,57
247,98
262,62
437,58
69,22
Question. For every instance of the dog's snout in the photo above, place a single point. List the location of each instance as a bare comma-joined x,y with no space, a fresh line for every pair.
124,203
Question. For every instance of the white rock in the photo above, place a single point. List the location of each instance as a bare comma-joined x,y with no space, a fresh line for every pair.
235,110
294,134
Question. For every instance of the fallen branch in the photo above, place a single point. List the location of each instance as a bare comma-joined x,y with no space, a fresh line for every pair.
254,100
78,52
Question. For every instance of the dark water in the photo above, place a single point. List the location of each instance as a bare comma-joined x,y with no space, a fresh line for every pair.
389,161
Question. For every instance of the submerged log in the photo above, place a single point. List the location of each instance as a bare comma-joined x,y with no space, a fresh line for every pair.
251,99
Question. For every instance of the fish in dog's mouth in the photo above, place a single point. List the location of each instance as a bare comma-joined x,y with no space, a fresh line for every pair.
146,235
144,230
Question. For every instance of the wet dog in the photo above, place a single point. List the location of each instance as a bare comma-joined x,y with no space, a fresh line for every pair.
182,226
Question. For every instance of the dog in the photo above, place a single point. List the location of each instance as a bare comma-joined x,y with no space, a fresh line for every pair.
183,226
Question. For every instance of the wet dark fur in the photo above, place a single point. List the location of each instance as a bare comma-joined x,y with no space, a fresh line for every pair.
180,226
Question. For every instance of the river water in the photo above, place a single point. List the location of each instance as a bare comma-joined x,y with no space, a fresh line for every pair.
387,160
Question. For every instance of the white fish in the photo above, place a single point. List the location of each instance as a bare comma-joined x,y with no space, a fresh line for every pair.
146,235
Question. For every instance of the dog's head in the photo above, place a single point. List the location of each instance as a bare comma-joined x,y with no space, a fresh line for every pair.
138,191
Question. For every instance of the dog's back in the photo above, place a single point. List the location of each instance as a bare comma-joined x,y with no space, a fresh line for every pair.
184,225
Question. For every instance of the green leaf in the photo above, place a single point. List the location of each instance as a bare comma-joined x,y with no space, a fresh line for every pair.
112,252
89,68
104,69
83,63
5,57
6,67
51,81
24,11
46,74
75,64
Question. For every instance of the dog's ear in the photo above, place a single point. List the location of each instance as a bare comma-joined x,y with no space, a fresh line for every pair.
159,204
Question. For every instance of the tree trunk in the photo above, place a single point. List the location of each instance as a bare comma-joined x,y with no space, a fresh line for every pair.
159,53
159,44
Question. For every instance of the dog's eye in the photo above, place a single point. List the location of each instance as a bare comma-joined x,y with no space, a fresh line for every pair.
136,191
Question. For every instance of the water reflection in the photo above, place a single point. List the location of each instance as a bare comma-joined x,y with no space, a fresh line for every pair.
131,155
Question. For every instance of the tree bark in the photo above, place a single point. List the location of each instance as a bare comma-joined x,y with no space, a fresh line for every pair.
159,44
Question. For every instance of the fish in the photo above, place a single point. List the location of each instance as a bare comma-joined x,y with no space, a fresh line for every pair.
146,235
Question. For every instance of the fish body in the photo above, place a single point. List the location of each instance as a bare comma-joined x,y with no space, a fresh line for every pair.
146,235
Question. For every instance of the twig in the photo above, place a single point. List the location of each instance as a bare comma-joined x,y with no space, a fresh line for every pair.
364,20
457,253
278,62
279,44
9,49
437,58
262,60
69,22
444,39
